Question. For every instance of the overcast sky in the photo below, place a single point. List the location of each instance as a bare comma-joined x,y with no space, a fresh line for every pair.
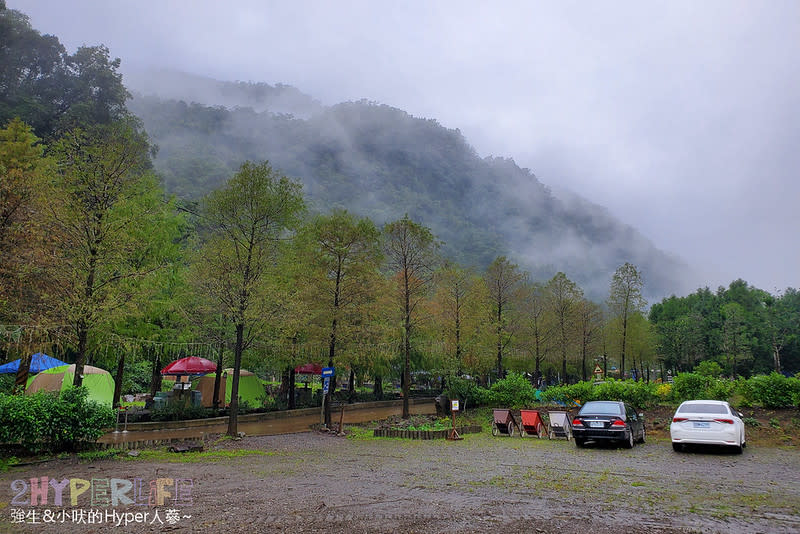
683,118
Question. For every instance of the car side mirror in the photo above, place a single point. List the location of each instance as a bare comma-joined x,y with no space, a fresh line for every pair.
740,414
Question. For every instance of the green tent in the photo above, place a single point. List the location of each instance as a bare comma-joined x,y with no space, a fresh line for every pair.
97,381
251,388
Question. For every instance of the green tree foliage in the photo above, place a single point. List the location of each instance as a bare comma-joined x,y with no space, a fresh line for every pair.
504,282
410,250
514,391
111,225
246,222
23,175
563,297
50,89
342,256
625,298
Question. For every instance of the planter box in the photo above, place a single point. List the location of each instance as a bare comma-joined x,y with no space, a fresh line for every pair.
423,434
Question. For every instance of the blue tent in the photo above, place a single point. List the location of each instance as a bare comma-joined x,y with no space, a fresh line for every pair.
39,362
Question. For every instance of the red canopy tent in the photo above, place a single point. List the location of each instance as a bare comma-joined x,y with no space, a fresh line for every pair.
192,365
309,369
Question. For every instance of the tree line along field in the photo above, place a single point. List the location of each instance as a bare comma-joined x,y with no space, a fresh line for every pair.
99,265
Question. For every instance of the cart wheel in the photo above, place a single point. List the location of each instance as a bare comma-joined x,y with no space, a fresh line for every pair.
523,433
551,435
494,429
510,430
539,431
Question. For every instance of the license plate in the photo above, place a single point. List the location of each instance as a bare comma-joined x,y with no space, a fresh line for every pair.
596,424
700,424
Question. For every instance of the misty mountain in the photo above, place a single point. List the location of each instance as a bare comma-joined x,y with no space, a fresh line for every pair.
381,162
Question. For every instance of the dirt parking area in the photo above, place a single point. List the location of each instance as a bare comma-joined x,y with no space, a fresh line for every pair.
312,482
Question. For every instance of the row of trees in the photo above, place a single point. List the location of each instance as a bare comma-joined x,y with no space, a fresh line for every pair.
92,242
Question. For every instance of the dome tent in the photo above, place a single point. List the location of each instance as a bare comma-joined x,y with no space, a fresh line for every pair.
98,381
251,388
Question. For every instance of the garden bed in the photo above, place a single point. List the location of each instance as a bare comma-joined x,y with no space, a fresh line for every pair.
423,434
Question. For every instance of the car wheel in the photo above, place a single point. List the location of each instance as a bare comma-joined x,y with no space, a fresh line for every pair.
738,449
494,429
677,447
629,441
579,442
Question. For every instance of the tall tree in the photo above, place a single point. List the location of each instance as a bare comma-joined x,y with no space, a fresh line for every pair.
23,172
459,310
246,221
111,224
503,279
411,255
563,296
624,299
342,255
537,330
589,322
50,89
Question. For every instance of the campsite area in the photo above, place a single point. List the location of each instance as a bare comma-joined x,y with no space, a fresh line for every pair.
315,482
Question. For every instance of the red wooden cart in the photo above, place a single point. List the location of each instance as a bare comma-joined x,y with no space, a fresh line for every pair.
532,424
503,423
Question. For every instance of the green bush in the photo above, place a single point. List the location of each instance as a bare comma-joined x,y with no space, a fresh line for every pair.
639,394
466,390
513,391
48,421
179,411
708,368
772,391
689,386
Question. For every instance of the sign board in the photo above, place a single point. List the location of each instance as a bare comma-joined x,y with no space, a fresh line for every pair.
326,385
597,369
454,405
327,371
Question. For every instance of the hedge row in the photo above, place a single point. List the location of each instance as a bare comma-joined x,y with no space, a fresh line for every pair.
514,391
52,422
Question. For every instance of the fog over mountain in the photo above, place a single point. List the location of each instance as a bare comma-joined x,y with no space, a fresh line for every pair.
382,162
681,118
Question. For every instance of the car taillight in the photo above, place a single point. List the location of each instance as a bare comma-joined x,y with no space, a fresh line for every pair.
577,422
618,422
678,419
728,421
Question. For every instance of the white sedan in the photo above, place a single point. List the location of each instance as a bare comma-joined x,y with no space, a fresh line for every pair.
707,422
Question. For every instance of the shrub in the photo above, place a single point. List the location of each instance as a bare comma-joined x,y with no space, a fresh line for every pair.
48,421
708,368
689,386
513,391
178,411
773,390
465,390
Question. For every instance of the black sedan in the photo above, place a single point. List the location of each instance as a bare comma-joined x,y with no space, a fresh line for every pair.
608,421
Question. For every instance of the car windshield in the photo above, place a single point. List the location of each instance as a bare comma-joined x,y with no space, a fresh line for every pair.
704,408
602,408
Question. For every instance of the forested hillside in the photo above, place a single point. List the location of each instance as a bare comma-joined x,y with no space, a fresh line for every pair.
382,162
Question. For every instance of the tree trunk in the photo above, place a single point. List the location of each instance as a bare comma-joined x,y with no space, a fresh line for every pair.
218,379
80,358
377,388
351,390
21,381
292,376
233,418
155,377
118,380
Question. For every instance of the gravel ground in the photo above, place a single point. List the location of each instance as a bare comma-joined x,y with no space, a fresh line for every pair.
312,482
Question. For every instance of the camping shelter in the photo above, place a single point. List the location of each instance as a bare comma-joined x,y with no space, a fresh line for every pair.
251,388
39,362
97,381
192,365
